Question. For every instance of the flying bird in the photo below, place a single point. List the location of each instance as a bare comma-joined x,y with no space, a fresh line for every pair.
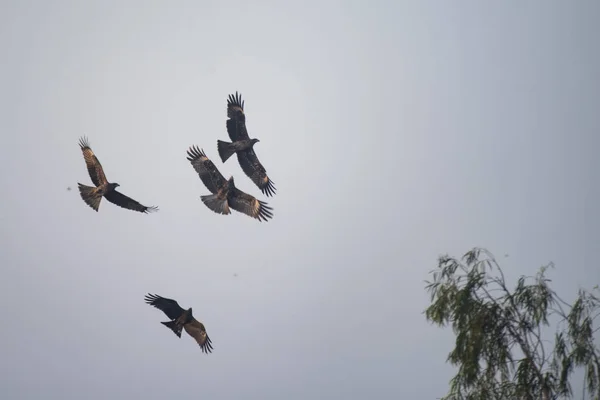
93,194
243,146
180,318
224,193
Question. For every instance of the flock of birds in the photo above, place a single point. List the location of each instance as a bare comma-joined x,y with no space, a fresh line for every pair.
225,196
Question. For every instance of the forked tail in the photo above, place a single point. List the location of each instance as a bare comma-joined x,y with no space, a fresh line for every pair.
172,325
226,149
91,195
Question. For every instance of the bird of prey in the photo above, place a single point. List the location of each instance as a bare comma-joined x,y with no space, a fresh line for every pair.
93,194
224,193
243,146
180,318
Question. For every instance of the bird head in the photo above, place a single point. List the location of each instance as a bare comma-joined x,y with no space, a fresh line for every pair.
114,185
255,141
230,182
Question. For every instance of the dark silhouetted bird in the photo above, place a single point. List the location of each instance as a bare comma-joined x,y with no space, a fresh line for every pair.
181,319
243,146
225,194
92,195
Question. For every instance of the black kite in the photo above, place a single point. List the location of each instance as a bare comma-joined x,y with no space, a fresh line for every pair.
180,318
92,195
225,194
243,146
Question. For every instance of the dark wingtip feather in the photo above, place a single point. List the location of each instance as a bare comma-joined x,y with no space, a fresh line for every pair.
83,142
264,211
207,348
195,153
235,101
150,298
269,190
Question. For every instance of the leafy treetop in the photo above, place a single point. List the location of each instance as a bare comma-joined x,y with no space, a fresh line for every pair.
499,350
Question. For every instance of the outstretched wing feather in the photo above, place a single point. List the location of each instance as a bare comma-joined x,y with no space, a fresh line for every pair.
92,163
121,200
236,124
169,306
256,172
206,169
197,330
249,205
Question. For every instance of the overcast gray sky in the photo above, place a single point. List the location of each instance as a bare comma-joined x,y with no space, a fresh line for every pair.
394,131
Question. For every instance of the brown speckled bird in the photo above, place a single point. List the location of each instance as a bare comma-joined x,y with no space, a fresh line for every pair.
225,194
243,146
93,194
181,319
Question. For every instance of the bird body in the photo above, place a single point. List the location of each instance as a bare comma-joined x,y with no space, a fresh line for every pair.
225,195
242,145
227,149
92,195
181,319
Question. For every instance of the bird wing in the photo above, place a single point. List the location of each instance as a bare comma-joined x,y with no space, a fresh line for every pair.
170,307
249,205
121,200
256,172
93,164
236,124
217,203
206,169
196,330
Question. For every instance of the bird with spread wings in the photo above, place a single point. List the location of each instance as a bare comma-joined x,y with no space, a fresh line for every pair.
243,146
224,193
92,195
181,319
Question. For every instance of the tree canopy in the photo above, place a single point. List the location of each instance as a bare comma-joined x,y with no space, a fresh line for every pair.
501,348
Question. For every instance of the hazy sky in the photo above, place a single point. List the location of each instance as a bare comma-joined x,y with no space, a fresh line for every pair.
394,131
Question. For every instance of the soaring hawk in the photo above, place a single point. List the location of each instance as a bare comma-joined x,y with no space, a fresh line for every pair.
224,193
181,319
93,194
243,146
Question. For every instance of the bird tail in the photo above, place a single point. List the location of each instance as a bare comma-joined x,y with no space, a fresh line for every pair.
226,149
91,195
216,204
172,325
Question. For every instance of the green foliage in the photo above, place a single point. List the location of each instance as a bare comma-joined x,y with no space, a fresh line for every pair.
499,350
